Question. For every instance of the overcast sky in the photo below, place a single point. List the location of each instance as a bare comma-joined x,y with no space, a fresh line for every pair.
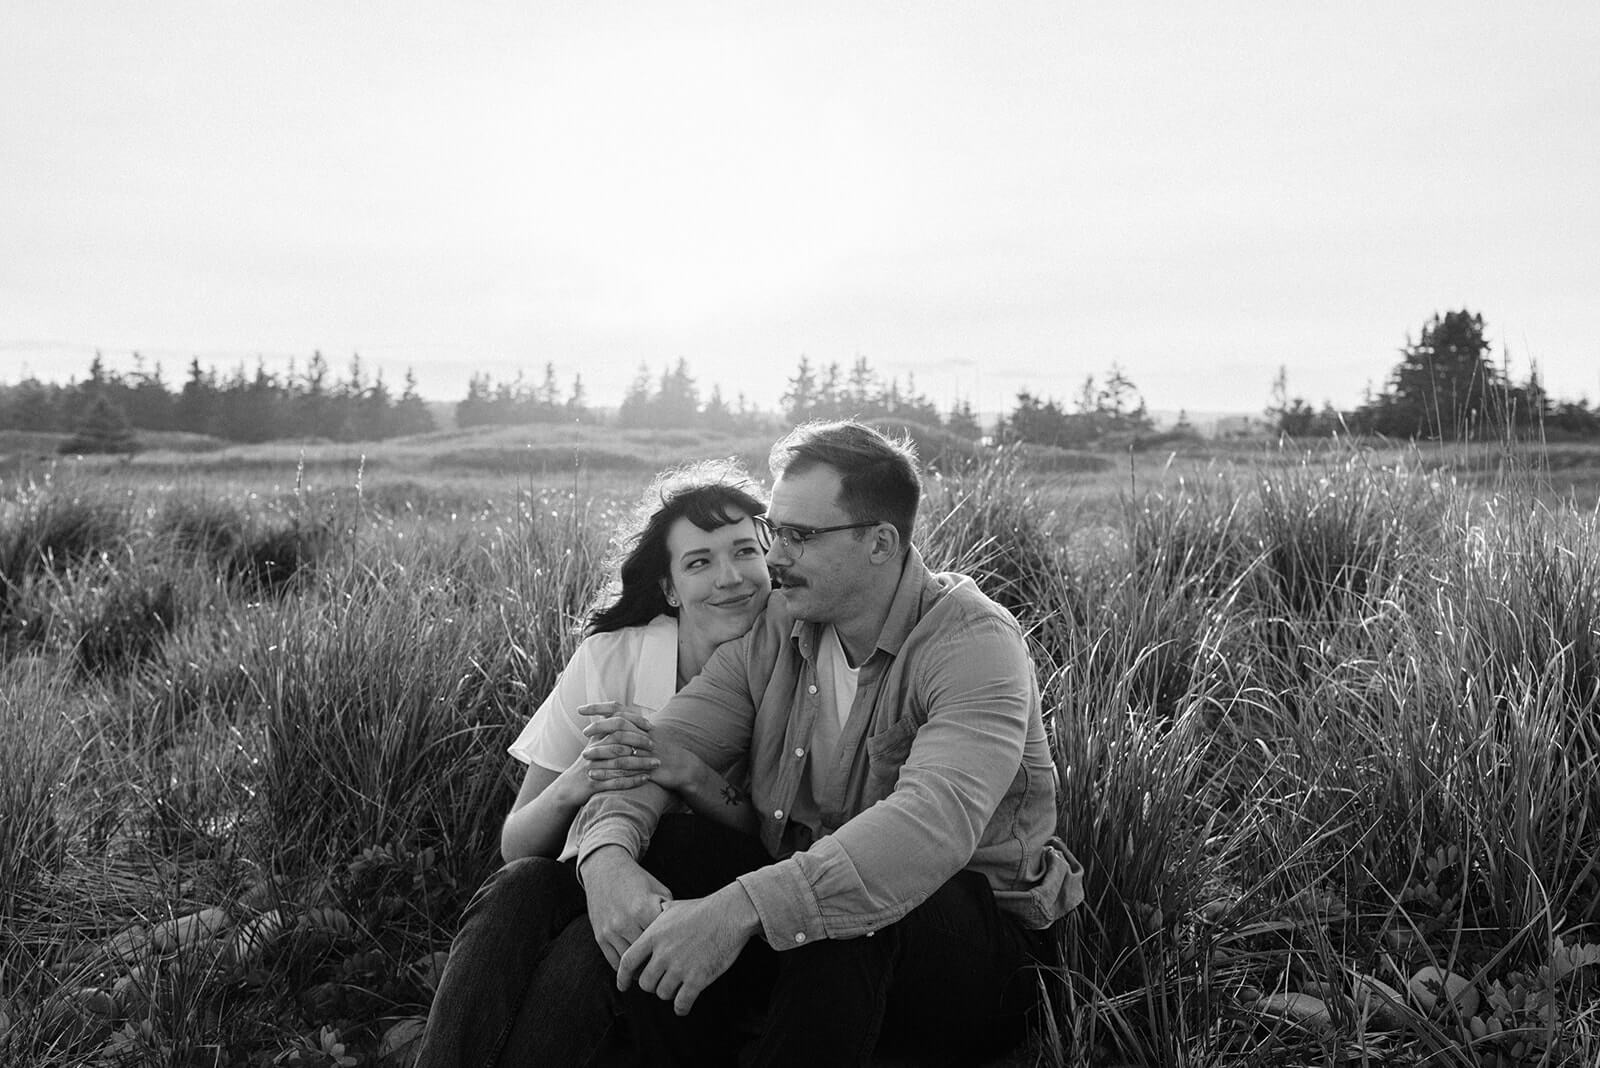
993,196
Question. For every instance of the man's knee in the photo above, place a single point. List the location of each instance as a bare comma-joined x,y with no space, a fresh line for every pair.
830,964
695,856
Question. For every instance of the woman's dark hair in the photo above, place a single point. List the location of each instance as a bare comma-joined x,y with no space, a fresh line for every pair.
710,494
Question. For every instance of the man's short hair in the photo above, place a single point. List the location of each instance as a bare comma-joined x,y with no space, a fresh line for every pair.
878,476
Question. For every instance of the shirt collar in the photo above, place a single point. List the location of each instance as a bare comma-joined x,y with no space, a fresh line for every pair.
655,677
904,611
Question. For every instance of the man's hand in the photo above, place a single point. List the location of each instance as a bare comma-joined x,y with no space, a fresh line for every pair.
623,899
689,945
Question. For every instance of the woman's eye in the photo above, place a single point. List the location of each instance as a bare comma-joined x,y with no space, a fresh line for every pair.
693,564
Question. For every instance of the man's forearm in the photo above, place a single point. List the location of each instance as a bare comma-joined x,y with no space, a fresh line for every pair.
623,818
604,862
711,796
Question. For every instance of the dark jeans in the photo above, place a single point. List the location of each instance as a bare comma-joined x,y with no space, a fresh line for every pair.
522,942
527,985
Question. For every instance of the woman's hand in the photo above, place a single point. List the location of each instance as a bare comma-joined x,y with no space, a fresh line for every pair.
624,751
621,753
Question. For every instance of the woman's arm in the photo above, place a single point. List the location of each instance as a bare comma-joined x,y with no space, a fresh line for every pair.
539,818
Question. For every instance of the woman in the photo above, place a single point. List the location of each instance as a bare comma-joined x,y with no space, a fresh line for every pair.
694,577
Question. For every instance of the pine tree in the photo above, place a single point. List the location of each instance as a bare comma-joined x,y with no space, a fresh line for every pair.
800,398
411,414
104,429
474,410
197,401
717,414
963,421
549,390
678,403
831,403
635,410
861,387
1443,387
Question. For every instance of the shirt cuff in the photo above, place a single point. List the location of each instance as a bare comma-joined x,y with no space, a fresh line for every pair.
790,913
605,835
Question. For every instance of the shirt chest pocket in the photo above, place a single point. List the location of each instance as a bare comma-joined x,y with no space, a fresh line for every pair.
886,755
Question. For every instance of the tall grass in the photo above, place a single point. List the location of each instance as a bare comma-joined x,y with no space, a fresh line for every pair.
1318,722
41,750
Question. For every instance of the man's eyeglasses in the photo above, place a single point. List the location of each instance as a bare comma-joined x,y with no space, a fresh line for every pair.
794,539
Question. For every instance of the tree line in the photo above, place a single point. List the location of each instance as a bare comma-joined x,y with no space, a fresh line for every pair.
1444,388
238,406
517,402
1112,408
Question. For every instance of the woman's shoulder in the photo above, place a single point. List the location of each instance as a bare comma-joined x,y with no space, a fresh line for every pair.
629,642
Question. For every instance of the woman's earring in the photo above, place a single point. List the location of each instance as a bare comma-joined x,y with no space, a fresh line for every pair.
671,600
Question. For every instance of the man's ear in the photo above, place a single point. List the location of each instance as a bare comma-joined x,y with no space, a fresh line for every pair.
885,543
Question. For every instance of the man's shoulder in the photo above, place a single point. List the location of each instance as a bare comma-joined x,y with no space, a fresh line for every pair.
951,596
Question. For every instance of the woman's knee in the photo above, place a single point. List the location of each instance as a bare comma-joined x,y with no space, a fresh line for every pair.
528,885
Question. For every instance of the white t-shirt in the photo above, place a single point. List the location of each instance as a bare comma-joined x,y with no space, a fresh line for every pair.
636,665
839,683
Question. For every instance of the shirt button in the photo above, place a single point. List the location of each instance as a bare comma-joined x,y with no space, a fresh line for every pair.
777,813
799,752
811,689
800,936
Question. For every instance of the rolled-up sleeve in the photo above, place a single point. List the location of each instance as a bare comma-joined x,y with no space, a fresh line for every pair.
979,691
711,717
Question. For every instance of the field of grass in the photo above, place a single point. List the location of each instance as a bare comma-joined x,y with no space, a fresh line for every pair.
1326,725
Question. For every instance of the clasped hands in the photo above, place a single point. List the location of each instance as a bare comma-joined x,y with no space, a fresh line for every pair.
620,752
623,750
673,949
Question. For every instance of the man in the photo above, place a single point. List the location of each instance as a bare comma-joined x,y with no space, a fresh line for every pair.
905,870
900,766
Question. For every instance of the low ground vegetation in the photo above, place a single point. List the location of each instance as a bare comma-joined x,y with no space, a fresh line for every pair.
1326,727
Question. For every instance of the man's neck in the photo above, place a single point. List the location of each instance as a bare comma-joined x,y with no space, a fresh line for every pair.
858,636
858,643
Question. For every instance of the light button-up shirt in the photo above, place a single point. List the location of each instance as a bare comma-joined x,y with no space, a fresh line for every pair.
944,765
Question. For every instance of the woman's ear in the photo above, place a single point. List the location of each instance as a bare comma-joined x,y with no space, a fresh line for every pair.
666,591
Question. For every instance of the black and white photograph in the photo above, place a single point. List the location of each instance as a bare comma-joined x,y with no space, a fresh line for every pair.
1117,487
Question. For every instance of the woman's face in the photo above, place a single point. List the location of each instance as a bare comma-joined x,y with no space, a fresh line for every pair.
719,577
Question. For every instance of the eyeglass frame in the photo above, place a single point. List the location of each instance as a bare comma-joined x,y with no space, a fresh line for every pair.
795,542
